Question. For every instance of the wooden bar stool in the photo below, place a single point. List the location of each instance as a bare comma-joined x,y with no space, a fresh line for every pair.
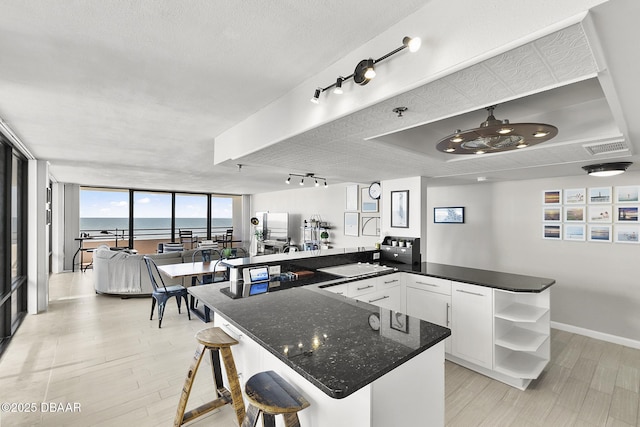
270,395
217,342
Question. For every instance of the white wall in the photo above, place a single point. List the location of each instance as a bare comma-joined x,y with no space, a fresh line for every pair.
303,203
38,238
596,283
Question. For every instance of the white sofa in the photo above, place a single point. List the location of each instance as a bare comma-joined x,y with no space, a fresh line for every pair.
122,273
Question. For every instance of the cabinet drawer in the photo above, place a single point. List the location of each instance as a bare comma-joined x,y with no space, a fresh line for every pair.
362,287
433,284
388,298
388,281
338,289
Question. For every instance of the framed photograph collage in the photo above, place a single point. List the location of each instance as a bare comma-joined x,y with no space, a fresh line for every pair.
597,214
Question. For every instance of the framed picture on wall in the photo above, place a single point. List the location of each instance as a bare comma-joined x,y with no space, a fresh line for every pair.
600,213
370,225
599,233
552,231
574,196
400,209
351,223
575,232
627,233
627,194
552,197
367,204
626,213
552,213
574,213
453,215
600,195
351,201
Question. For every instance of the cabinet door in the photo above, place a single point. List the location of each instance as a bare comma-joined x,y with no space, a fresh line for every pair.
430,306
388,298
361,287
472,323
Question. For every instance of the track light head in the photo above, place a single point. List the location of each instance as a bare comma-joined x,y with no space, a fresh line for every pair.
288,181
412,43
316,96
302,181
338,88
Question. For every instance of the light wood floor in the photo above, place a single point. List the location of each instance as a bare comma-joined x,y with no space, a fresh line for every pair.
104,354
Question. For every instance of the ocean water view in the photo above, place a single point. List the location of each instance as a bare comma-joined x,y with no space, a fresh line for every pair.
152,227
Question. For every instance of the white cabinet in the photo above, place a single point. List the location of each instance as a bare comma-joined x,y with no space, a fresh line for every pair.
522,334
389,298
472,323
429,299
245,353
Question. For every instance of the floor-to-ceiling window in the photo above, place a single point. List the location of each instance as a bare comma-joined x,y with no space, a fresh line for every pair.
13,221
143,219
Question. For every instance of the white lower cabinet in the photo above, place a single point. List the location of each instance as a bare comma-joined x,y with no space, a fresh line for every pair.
472,323
429,300
389,298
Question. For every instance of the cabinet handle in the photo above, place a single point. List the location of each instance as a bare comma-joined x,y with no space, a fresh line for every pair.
428,284
365,287
470,293
390,281
448,306
231,329
378,299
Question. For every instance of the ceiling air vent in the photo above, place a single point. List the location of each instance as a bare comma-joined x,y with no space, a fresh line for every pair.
606,147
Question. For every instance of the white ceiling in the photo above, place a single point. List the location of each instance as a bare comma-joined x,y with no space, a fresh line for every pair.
132,94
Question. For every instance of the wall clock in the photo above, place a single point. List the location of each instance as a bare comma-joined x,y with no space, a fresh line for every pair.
374,321
375,190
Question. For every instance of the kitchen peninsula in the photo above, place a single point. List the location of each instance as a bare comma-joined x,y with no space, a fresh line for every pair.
344,343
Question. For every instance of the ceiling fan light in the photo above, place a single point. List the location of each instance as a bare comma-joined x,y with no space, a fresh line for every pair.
505,130
480,152
522,145
540,134
450,150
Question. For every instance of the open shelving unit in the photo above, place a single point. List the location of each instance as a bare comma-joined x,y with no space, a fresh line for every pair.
521,334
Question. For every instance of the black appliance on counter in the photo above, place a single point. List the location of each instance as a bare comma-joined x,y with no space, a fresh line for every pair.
400,250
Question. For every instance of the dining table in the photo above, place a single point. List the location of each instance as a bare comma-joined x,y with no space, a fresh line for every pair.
194,269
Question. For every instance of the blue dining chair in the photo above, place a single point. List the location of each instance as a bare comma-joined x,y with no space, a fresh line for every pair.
161,292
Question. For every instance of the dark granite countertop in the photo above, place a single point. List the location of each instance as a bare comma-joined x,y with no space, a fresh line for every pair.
340,353
475,276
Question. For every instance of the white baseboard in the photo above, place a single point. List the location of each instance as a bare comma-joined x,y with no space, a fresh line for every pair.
627,342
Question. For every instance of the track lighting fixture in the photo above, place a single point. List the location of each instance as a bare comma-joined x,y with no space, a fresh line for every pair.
316,96
365,70
493,136
338,88
312,176
607,169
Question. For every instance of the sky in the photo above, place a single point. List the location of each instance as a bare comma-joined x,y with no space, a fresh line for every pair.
115,204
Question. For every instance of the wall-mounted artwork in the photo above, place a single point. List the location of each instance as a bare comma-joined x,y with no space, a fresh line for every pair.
370,225
453,215
400,209
627,233
367,204
552,231
626,213
552,214
599,233
627,194
600,195
600,213
574,232
574,196
552,197
351,201
351,223
574,213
